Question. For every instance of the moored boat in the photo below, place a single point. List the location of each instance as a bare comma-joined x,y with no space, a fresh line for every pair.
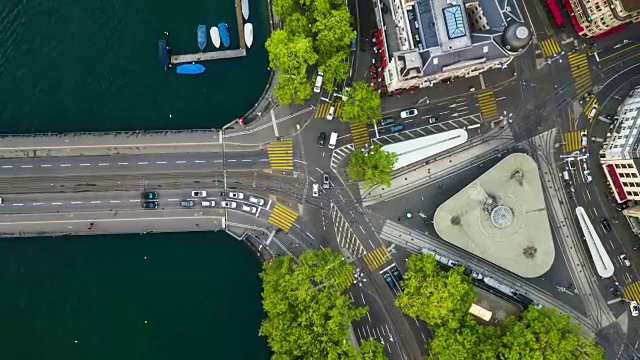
215,36
245,9
202,37
190,69
248,34
223,28
163,53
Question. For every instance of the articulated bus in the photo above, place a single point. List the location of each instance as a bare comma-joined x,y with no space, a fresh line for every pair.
480,312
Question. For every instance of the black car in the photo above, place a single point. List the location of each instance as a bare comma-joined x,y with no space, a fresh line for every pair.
396,273
605,224
149,204
150,195
389,281
321,139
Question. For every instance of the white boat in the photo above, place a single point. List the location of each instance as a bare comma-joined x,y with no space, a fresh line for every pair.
245,9
215,36
248,34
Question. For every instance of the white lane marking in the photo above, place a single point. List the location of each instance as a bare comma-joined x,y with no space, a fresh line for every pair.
134,200
37,204
172,199
96,202
114,201
26,166
123,163
161,162
246,160
18,204
76,202
7,166
218,161
85,164
199,161
180,162
56,203
263,160
142,163
45,165
65,165
231,160
103,164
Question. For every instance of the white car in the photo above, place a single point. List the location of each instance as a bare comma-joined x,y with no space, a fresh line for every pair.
624,259
587,176
199,193
236,195
249,208
408,113
316,189
633,306
331,112
593,111
256,200
208,203
583,139
228,204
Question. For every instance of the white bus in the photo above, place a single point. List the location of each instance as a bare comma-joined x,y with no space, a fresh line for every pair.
333,139
480,312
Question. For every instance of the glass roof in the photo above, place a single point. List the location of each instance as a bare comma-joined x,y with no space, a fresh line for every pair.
453,17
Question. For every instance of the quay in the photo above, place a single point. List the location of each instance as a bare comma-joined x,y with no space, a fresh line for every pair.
221,54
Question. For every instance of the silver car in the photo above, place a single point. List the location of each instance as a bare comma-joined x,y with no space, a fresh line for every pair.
248,208
228,204
256,200
236,195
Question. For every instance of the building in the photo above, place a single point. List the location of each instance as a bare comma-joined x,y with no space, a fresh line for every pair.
422,42
596,17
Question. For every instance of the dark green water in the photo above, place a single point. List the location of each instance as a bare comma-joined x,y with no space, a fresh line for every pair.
72,65
199,294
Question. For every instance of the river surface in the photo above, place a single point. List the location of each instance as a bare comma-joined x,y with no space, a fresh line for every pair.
154,296
72,65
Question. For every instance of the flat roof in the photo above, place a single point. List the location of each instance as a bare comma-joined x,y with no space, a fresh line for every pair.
502,217
414,150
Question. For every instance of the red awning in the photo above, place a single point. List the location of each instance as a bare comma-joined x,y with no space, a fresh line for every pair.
572,15
555,12
622,195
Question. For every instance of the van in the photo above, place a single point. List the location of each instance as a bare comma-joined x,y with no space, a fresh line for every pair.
318,85
565,175
332,140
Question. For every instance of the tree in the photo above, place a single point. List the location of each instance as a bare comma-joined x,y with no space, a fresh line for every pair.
544,333
292,89
362,105
371,349
335,69
437,297
467,340
373,167
285,8
306,319
298,24
333,33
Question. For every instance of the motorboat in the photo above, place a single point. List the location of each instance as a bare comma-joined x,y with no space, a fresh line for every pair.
215,36
163,53
245,9
223,28
190,69
202,37
248,34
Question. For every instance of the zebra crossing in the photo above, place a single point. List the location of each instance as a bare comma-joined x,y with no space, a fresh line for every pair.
360,135
347,239
572,141
281,154
579,65
488,106
377,257
282,217
339,154
631,292
550,47
323,109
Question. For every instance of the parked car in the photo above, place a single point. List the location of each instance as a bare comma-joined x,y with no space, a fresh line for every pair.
571,163
396,273
256,200
397,128
249,208
236,195
583,139
187,203
633,306
605,224
331,112
386,121
321,139
150,205
326,181
587,176
228,204
408,113
389,281
624,259
208,203
199,193
150,195
316,189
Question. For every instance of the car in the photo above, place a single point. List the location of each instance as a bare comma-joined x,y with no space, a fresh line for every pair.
571,164
316,189
331,112
150,195
1,201
633,306
432,119
208,203
605,224
326,181
149,204
354,43
583,139
397,128
187,203
408,113
396,273
228,204
236,195
318,85
624,259
587,176
593,111
199,193
389,281
386,121
256,200
322,138
249,208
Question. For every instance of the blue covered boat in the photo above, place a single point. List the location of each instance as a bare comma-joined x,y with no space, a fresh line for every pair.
223,28
190,69
163,53
202,37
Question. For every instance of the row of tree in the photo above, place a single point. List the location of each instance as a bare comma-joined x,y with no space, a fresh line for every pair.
315,32
442,299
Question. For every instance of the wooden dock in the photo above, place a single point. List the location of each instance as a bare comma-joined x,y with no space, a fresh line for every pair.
240,21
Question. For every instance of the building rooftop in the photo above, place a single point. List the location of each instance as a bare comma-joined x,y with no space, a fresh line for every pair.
502,217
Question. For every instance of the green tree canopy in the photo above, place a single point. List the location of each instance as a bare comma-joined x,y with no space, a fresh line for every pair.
298,25
333,33
291,55
437,297
466,340
362,105
285,8
373,167
335,69
371,349
306,319
546,334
